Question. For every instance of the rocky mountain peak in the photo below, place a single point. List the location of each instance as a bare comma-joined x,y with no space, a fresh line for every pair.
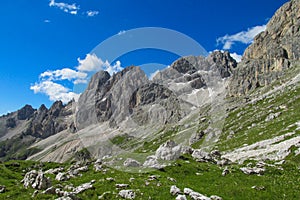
98,79
272,52
280,40
25,113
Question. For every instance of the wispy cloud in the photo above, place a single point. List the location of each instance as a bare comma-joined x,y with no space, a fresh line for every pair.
245,37
65,74
47,21
92,13
68,8
91,63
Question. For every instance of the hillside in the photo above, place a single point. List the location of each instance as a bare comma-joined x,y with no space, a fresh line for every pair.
204,128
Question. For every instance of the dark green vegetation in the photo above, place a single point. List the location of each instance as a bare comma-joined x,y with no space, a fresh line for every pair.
205,178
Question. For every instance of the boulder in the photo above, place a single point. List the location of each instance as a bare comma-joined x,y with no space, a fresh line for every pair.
168,151
127,194
129,162
181,197
174,190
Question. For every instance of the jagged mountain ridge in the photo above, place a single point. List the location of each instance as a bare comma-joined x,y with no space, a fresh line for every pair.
129,102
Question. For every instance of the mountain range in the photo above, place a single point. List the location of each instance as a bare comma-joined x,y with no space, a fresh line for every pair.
206,107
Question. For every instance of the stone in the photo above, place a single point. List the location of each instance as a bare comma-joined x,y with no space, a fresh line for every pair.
61,176
82,188
181,197
129,162
254,170
168,151
152,162
225,171
127,194
2,188
201,156
174,190
54,171
50,190
198,196
215,197
36,180
187,191
122,186
272,116
196,137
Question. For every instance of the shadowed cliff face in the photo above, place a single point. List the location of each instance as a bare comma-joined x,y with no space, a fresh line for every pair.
272,52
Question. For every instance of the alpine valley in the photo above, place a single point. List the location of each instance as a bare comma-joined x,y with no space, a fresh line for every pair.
203,128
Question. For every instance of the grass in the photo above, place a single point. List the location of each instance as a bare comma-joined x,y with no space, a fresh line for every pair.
205,178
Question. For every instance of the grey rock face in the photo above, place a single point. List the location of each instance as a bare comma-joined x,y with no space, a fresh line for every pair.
46,122
165,107
25,113
168,151
107,98
272,52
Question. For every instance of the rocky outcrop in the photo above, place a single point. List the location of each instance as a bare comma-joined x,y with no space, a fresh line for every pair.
154,103
272,52
107,98
36,180
25,113
46,122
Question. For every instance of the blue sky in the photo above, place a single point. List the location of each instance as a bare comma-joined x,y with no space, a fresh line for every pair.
46,44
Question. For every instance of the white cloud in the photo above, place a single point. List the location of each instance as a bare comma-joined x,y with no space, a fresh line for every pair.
48,80
236,56
65,74
91,63
122,32
68,8
55,91
47,21
245,37
92,13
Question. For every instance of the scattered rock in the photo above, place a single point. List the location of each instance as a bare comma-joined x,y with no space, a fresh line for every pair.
61,176
171,179
187,191
168,151
272,116
129,162
152,162
34,193
201,156
50,190
110,179
122,186
82,188
36,180
196,137
181,197
103,196
258,187
215,197
225,171
254,170
54,171
2,188
174,190
198,196
127,194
